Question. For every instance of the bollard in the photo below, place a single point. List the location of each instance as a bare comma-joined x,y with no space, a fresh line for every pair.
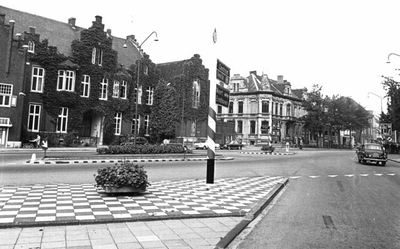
33,158
287,146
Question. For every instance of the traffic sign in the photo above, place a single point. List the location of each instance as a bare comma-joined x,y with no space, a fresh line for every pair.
223,72
222,97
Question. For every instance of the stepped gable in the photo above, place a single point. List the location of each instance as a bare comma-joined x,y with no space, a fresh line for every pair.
61,35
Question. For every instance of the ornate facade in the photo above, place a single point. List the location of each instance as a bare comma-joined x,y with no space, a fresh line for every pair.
264,109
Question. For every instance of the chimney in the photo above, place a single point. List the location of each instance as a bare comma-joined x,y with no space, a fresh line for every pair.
71,22
99,19
253,72
109,32
2,18
280,79
32,29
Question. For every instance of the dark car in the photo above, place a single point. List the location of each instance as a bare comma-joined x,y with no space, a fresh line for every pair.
131,141
372,153
232,146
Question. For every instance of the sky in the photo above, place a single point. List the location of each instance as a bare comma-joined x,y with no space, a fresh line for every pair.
341,45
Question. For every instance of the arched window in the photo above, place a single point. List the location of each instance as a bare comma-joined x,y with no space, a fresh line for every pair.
31,46
196,94
288,108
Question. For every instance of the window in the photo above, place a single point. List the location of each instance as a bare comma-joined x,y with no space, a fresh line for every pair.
240,103
239,126
66,80
136,93
116,89
230,108
97,56
85,86
196,94
31,46
264,127
135,120
280,109
62,120
104,89
149,95
252,127
276,108
34,117
5,94
37,79
146,123
236,86
265,106
123,90
117,123
219,109
288,110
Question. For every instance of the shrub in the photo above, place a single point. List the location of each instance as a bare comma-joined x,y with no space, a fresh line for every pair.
126,174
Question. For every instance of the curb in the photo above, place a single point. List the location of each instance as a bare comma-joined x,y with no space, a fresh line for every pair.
271,153
120,160
254,212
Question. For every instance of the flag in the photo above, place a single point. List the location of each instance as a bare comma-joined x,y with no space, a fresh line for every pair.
215,35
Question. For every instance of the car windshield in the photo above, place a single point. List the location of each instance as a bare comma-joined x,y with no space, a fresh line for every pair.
373,147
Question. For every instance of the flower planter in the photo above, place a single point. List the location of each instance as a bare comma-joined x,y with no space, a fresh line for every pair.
126,189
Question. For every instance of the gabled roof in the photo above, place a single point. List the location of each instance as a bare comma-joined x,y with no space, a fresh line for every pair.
61,34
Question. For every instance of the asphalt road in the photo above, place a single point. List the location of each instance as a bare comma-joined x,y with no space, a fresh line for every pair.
333,202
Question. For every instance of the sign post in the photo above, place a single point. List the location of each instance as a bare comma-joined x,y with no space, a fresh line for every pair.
44,146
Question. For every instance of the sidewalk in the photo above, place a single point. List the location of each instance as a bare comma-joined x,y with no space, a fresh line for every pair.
171,214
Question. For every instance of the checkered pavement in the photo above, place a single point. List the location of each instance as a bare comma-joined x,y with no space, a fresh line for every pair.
62,203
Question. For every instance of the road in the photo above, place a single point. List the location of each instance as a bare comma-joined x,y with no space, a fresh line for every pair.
331,200
334,202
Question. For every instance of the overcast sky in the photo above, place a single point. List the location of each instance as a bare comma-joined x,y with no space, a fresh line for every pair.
341,45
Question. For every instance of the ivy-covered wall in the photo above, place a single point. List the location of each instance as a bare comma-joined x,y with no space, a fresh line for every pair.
81,63
181,76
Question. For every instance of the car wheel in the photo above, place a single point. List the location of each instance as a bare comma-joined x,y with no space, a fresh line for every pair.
383,163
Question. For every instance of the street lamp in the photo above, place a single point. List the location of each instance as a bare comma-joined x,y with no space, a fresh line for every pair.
139,47
378,97
388,60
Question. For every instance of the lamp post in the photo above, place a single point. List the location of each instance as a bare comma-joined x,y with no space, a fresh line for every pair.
388,60
139,47
378,97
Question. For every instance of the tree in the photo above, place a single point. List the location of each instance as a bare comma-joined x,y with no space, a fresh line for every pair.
333,114
164,113
393,94
315,119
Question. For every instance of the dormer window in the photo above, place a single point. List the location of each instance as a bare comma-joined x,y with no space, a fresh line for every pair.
287,90
31,46
66,80
97,56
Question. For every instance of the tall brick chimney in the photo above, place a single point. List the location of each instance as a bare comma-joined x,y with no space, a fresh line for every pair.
280,79
32,29
71,22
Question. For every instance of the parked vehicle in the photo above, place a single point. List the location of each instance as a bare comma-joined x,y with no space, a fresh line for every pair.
372,152
232,146
131,141
268,148
203,144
